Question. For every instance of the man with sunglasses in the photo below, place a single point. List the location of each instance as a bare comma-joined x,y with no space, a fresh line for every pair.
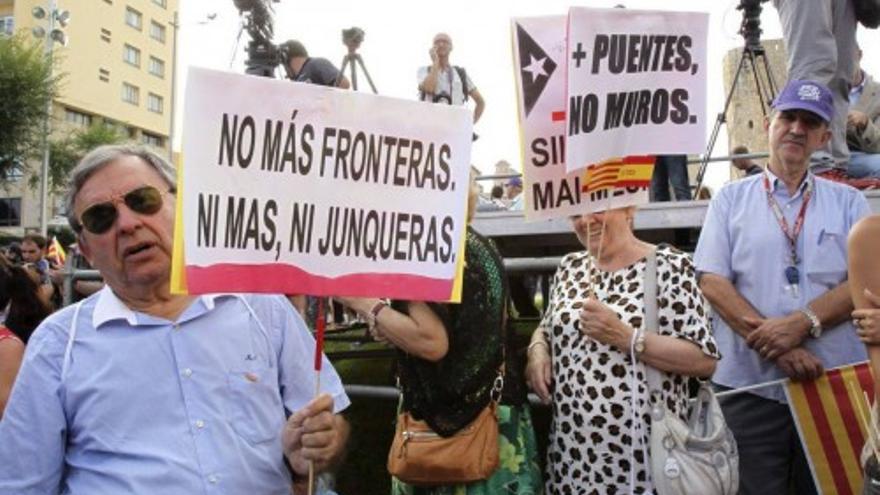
772,261
138,390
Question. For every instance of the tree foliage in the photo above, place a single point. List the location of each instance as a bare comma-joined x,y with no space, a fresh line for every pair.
65,153
27,84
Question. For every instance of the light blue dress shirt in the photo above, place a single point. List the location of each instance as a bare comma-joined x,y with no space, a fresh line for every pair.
742,241
135,404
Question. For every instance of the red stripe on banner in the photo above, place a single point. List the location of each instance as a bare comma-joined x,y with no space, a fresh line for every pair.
286,279
642,159
847,413
866,380
633,183
558,116
823,429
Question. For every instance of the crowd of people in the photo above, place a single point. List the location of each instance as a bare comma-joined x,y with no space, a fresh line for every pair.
136,389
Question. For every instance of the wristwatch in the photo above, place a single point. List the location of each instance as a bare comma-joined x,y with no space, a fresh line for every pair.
815,324
639,345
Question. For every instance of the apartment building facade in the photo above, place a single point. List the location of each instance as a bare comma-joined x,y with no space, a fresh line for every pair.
117,68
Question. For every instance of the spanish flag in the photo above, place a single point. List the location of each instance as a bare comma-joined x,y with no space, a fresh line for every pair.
629,171
56,252
832,419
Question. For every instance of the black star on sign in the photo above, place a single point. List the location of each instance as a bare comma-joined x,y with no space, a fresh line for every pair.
536,67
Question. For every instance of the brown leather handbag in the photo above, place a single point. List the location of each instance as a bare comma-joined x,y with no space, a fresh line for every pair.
419,456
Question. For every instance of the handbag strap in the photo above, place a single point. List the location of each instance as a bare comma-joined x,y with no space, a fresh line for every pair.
655,382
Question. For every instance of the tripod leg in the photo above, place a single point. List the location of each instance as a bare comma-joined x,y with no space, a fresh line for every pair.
354,74
722,118
360,61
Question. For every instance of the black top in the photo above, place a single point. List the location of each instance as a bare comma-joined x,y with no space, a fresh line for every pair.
450,393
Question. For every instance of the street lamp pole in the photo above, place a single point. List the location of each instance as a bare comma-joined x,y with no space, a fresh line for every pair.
49,37
48,45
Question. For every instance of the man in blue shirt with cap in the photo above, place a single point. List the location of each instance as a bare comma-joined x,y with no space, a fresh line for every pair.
772,261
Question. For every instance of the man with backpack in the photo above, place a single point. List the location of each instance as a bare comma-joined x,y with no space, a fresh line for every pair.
441,82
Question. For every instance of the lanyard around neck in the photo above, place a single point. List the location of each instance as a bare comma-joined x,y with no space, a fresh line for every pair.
790,235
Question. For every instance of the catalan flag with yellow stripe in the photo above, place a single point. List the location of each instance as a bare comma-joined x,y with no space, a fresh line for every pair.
629,171
832,418
56,252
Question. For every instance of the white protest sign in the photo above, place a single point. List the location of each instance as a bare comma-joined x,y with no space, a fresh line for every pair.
294,188
551,191
636,83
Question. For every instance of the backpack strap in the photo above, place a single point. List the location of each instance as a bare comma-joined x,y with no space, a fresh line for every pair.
462,74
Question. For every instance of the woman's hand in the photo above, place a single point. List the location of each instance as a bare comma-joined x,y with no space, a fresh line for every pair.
539,374
363,306
601,323
867,321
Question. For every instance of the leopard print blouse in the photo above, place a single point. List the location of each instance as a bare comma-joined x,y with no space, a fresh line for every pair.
591,435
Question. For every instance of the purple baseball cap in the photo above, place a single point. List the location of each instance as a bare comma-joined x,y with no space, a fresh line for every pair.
806,95
515,181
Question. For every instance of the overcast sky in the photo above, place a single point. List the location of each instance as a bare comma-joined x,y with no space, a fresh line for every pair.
399,33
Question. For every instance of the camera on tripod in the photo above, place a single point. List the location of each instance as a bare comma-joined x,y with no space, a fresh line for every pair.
263,55
352,38
750,29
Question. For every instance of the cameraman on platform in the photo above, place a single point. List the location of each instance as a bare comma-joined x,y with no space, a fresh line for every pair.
313,70
444,83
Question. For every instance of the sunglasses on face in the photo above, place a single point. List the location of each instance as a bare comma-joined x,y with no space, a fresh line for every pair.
99,217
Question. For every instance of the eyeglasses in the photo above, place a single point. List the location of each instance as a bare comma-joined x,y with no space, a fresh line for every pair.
99,217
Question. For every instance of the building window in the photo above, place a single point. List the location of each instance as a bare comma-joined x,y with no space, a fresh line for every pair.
105,35
152,140
131,55
133,18
154,103
77,118
7,25
10,212
15,171
130,94
157,67
104,75
161,3
157,31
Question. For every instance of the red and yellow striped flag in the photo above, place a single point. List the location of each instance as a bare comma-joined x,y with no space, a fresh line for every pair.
629,171
828,415
56,252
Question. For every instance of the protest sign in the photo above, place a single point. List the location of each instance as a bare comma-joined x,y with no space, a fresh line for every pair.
636,84
551,191
295,188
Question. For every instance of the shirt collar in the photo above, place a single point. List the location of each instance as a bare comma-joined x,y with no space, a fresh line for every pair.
777,182
109,307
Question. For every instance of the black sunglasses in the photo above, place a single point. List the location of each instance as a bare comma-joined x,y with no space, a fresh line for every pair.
99,217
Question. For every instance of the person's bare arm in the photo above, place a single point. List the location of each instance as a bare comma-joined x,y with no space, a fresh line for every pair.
480,104
774,336
864,275
730,305
429,83
11,352
420,333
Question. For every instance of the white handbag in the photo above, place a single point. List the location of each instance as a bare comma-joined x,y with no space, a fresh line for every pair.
697,457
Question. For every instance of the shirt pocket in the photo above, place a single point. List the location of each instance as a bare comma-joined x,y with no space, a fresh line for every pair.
255,409
827,264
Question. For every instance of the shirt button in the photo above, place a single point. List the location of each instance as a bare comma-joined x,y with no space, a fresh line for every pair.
200,424
213,479
187,372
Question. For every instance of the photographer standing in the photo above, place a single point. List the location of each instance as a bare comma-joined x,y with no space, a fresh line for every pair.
444,83
313,70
